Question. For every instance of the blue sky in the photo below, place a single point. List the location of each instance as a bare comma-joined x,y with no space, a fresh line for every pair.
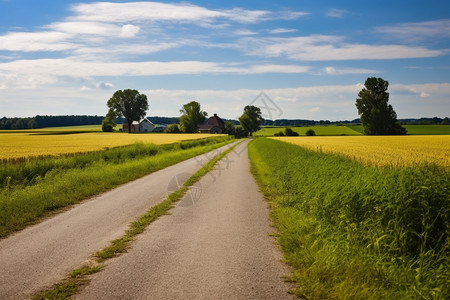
310,58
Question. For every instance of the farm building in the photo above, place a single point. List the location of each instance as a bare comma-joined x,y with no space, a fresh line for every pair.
213,125
144,125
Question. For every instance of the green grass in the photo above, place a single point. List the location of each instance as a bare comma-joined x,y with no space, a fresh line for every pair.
416,129
34,189
357,232
319,130
79,277
427,129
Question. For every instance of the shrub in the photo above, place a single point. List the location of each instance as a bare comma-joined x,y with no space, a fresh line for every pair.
289,132
172,128
310,132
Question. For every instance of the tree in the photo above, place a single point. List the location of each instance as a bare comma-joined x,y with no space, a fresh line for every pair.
310,132
251,119
289,132
172,128
108,124
229,128
129,104
377,116
192,116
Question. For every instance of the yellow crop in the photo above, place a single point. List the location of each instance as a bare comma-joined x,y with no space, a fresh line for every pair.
382,150
26,144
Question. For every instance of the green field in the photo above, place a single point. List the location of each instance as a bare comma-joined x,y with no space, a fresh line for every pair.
319,130
352,231
416,129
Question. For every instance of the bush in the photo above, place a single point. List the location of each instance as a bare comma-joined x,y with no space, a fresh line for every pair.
172,128
279,134
310,132
289,132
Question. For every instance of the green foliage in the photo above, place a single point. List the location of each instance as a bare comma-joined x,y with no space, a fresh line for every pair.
377,116
352,231
279,134
251,119
172,128
35,188
128,103
108,124
191,117
229,128
289,132
240,132
310,132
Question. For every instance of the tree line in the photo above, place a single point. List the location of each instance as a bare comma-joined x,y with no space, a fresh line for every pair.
48,121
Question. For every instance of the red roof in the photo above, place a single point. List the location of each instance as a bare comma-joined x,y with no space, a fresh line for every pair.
213,121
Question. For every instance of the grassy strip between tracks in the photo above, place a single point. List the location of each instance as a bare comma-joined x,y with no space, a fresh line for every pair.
37,188
352,231
79,277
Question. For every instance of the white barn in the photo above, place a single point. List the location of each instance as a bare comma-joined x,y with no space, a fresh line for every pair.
144,125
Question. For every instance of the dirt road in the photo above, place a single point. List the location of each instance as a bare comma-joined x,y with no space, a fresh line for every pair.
42,255
216,245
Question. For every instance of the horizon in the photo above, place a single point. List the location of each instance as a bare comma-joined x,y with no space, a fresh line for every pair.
307,60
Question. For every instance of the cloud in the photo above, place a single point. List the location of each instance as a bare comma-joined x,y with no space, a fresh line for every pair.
156,11
33,72
36,41
245,32
328,48
129,30
105,86
281,30
417,31
336,13
343,71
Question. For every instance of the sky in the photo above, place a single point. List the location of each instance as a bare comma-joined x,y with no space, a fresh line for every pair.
293,59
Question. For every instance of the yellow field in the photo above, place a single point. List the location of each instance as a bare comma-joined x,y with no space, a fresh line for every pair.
382,150
26,144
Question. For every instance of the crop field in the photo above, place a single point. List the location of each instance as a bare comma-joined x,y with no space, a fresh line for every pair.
354,230
382,150
38,143
319,130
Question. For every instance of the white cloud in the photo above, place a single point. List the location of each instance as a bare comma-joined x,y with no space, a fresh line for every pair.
336,13
78,28
129,30
36,41
328,47
417,31
245,32
50,69
156,11
282,30
343,71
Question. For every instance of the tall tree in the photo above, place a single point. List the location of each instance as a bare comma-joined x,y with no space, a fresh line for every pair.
377,116
129,104
251,119
191,117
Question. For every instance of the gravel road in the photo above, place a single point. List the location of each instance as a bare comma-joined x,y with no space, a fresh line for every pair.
215,245
43,254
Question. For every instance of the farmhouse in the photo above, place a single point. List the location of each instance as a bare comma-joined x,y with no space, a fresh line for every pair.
144,125
213,125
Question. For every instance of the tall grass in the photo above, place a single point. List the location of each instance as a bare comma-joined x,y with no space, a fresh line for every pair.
37,187
354,231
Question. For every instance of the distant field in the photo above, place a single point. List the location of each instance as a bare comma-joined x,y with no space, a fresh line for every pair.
382,150
319,130
417,129
34,143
